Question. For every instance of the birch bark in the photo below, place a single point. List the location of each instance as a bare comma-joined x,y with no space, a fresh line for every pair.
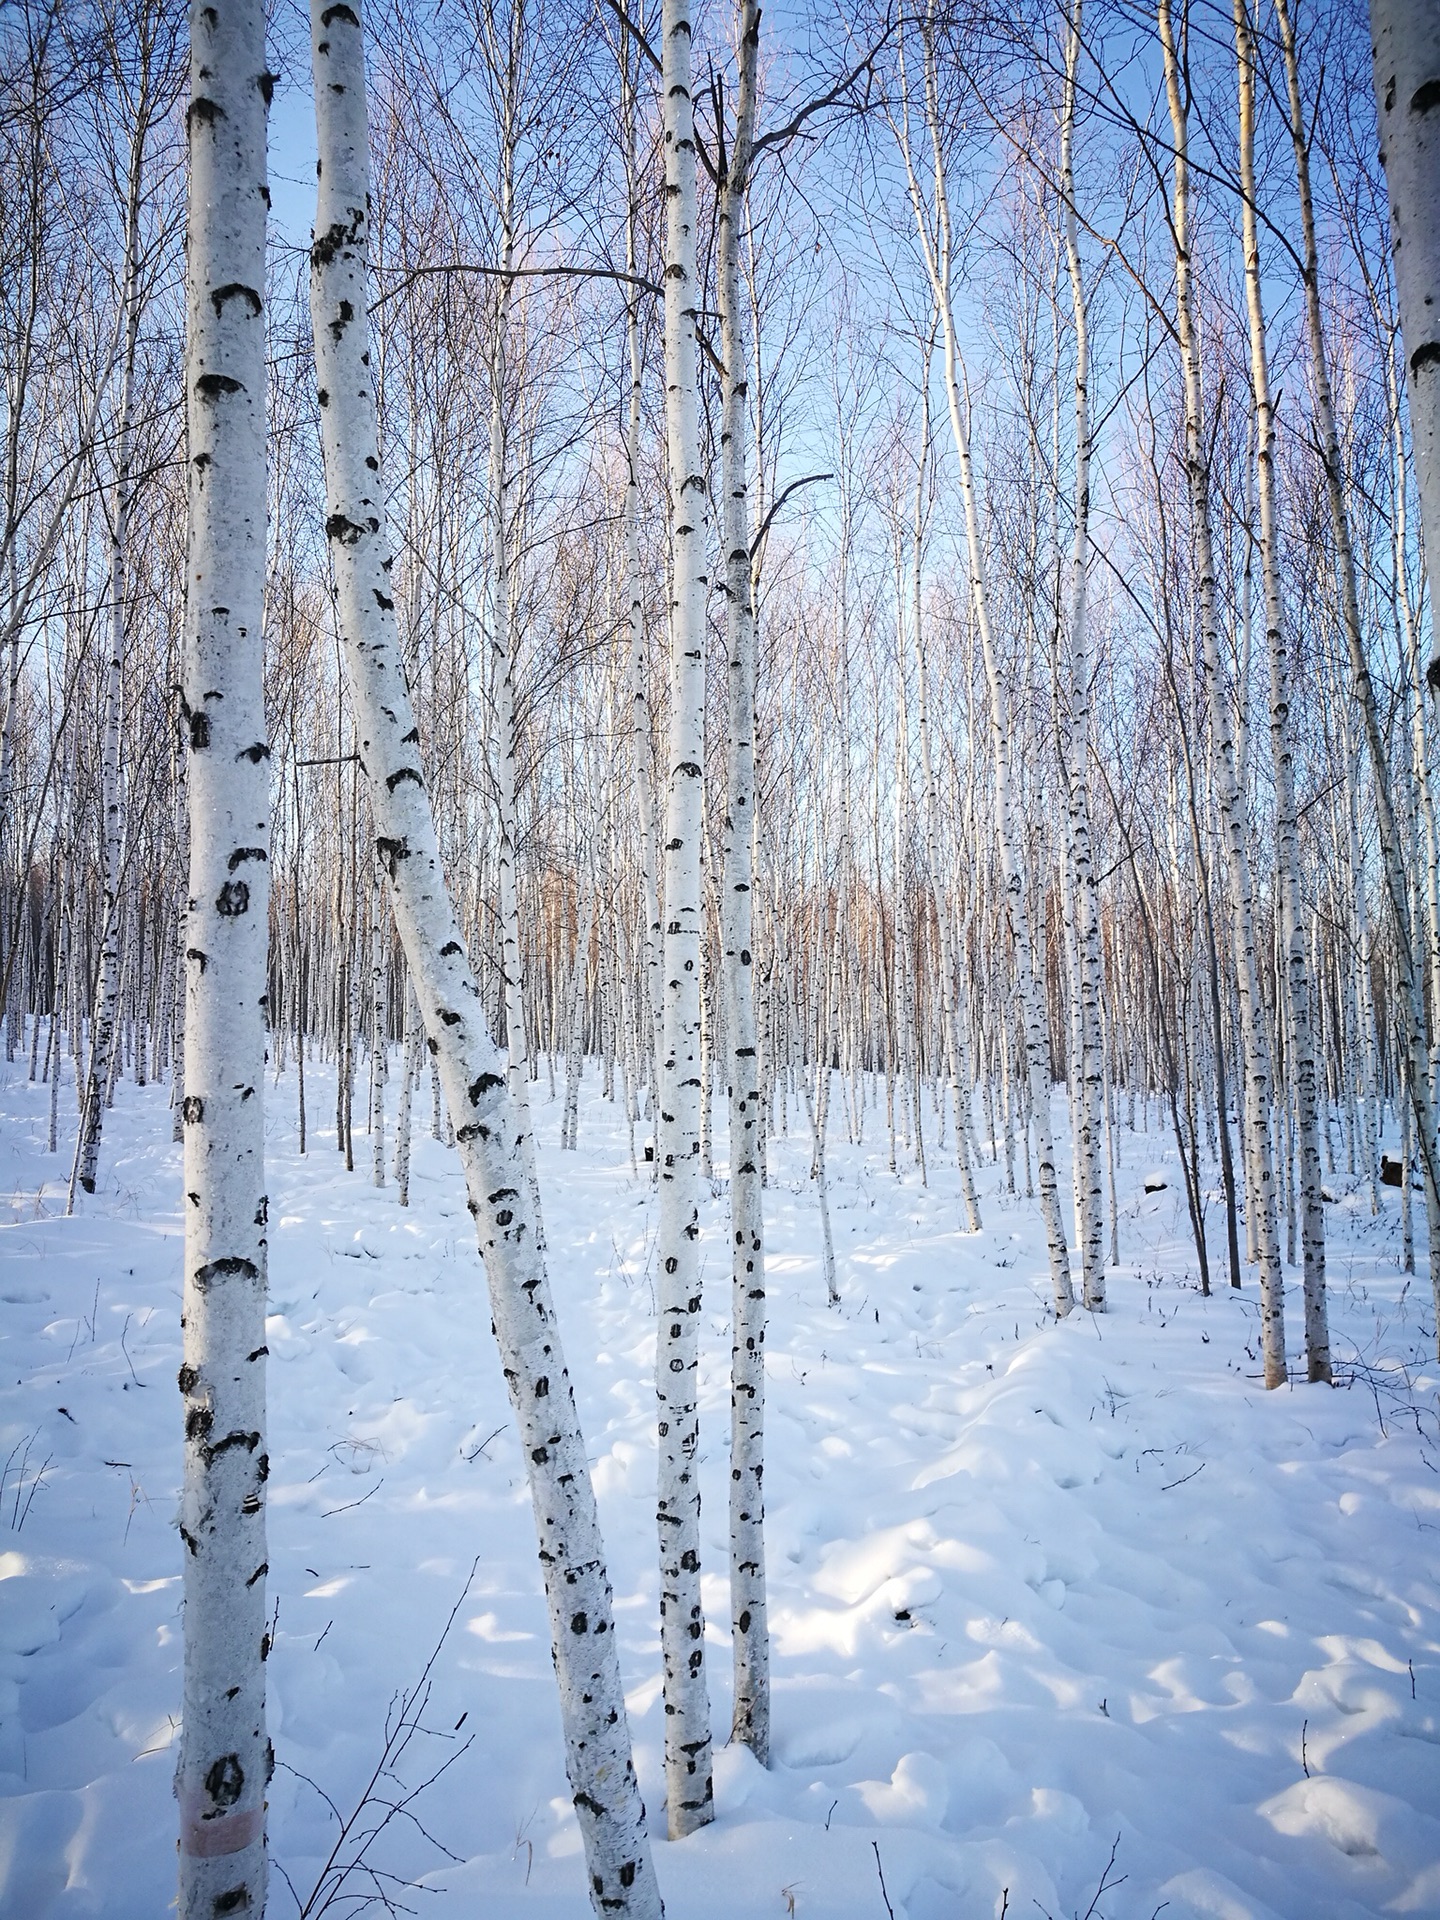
1411,990
378,1037
689,1788
936,246
957,1051
500,609
1287,851
488,1131
640,734
1090,1092
749,1620
107,986
1405,36
410,1073
225,1760
575,1012
1407,615
1229,799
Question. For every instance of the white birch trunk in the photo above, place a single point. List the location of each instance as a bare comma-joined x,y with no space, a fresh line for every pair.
225,1760
1405,37
636,675
907,1025
1296,994
575,1021
957,1052
1089,1069
1410,983
1419,719
410,1072
748,1613
689,1789
1230,801
107,986
817,1159
948,1036
937,249
487,1127
1361,955
379,1048
499,599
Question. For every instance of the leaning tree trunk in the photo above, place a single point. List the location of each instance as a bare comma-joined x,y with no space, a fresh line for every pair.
225,1759
471,1067
748,1615
689,1788
1287,851
1235,837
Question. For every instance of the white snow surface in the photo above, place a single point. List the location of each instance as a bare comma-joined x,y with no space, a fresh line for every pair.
1037,1591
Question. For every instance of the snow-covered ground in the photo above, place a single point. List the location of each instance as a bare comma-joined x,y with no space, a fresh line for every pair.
1044,1597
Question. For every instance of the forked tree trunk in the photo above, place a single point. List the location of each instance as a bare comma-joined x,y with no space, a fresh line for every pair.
472,1068
225,1759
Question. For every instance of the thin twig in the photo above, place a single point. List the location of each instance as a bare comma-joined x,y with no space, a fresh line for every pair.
1183,1478
126,1351
875,1845
1106,1883
373,1811
353,1503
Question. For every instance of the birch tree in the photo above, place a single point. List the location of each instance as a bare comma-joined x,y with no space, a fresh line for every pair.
471,1068
505,44
148,102
1405,36
937,248
748,1622
1260,1169
1296,987
1411,989
1076,694
637,679
952,1015
225,1758
689,1790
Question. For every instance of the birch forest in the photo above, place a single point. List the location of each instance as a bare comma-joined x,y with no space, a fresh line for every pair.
791,661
